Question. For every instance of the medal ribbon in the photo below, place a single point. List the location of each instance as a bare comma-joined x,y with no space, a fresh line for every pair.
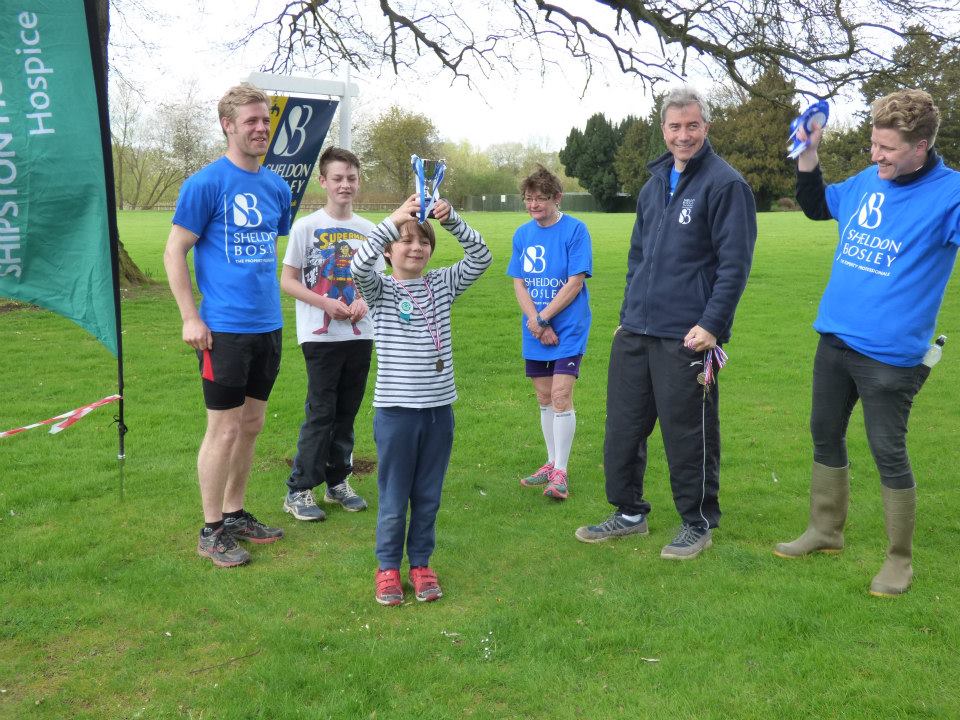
421,181
816,114
431,322
717,355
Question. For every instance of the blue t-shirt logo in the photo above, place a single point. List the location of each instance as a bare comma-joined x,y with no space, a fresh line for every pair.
245,212
535,259
870,216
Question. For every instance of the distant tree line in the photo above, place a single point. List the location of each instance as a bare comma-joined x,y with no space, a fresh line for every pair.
386,143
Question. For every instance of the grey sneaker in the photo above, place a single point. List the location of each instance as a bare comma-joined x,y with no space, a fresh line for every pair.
302,506
613,527
689,542
247,527
345,496
222,548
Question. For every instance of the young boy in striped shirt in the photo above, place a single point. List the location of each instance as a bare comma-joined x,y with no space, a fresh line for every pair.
415,389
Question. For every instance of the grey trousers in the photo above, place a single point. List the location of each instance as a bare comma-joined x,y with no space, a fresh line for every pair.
841,377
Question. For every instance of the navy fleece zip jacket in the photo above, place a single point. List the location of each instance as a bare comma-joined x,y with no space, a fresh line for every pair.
690,254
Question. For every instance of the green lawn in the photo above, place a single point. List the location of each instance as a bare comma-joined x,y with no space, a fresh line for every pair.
107,612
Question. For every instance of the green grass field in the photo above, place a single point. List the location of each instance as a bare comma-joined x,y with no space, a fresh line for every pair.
107,612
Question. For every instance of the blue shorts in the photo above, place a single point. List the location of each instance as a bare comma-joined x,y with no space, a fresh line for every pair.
549,368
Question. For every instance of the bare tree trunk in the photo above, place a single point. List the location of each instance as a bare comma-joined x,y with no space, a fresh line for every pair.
130,274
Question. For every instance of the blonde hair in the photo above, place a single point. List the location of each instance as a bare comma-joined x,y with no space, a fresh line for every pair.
238,96
910,112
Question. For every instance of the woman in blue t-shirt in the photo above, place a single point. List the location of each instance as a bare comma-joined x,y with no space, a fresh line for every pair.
550,263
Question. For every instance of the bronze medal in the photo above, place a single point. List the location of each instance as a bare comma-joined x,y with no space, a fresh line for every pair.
702,379
439,365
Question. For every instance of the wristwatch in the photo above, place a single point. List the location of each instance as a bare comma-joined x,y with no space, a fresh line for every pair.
541,322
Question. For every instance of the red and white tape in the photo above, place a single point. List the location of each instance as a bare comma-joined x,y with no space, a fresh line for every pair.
65,420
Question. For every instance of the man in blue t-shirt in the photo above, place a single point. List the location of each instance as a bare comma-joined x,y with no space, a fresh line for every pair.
230,213
899,231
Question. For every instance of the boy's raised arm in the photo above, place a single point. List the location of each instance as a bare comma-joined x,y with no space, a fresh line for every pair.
476,254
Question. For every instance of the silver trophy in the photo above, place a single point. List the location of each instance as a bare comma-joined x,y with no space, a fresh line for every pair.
428,175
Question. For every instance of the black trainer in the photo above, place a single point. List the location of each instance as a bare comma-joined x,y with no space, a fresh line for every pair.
222,548
247,527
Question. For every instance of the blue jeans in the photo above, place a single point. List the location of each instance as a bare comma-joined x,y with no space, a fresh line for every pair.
413,452
841,376
336,378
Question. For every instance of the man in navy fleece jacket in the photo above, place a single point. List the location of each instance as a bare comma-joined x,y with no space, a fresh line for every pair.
690,256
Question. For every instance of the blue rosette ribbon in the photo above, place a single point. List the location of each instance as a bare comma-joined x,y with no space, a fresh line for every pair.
427,201
815,115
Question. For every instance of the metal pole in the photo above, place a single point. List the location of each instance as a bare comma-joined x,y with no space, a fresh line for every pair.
346,112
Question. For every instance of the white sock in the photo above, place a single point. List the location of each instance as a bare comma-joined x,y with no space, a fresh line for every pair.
631,518
546,424
564,428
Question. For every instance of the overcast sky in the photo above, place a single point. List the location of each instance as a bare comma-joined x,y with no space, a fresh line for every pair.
173,45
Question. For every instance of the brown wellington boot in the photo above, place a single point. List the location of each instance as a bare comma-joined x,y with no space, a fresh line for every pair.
900,515
829,495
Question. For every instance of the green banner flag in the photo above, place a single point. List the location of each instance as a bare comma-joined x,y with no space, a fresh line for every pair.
54,224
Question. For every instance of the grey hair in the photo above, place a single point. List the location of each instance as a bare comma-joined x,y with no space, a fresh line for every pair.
680,97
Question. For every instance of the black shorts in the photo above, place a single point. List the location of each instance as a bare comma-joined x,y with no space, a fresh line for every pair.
239,365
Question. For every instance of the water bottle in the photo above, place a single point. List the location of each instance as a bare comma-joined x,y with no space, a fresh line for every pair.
934,352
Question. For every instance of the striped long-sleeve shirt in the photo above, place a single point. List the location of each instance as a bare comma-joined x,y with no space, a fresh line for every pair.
407,357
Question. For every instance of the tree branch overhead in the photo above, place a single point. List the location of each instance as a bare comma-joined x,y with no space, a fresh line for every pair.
825,45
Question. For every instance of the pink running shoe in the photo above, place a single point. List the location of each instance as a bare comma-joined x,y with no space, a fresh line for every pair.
557,486
540,477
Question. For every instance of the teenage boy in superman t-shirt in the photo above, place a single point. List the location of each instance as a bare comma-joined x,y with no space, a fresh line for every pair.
335,336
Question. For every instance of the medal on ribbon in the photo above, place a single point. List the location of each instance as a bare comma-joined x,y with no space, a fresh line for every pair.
815,115
428,191
714,356
405,309
433,327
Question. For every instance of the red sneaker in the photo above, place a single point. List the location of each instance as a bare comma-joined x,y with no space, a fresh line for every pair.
425,586
389,589
557,487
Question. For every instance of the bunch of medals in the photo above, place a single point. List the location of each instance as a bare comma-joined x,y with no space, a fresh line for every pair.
714,356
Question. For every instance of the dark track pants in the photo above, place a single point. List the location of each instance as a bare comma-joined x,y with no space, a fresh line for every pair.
653,379
336,378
